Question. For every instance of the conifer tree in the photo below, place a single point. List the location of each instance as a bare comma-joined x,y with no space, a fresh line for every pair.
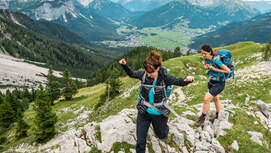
7,115
13,101
21,127
70,87
53,86
45,118
177,52
114,83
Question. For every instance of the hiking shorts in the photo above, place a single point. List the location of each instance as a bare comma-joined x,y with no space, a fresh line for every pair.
215,87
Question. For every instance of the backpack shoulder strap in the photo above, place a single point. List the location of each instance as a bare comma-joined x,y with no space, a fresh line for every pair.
143,78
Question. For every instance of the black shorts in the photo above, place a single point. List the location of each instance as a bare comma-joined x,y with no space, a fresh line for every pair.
215,87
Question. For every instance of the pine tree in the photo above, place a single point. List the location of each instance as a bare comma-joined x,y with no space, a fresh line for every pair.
17,93
21,127
45,119
33,94
188,52
1,98
52,86
70,87
177,52
7,115
26,93
12,100
114,83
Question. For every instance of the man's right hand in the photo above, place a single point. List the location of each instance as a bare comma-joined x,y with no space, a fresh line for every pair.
122,62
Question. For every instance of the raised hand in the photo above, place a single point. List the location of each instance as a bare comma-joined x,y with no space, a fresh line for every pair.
122,62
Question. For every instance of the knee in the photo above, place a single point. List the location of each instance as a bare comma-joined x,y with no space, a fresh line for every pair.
216,100
162,134
206,101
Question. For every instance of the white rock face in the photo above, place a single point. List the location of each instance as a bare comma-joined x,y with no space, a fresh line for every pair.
235,145
118,128
257,71
14,71
256,137
85,2
202,2
50,13
264,113
179,99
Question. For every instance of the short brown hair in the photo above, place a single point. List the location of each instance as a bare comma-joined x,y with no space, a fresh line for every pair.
153,62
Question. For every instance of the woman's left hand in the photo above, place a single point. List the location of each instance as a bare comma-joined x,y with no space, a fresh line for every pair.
189,79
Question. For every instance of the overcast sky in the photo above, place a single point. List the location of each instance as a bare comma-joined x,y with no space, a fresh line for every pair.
258,0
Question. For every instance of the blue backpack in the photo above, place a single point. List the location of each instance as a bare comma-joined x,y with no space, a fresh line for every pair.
225,57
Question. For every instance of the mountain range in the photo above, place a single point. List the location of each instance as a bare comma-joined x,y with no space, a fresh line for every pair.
197,13
79,16
19,41
141,5
97,20
262,6
257,29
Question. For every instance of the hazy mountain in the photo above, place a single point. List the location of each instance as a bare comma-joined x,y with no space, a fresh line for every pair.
80,19
262,6
197,13
141,5
257,29
109,9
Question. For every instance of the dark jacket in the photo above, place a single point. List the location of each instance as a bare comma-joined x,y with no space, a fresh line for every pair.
162,77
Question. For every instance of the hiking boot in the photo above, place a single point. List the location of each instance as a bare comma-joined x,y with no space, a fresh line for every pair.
200,121
214,118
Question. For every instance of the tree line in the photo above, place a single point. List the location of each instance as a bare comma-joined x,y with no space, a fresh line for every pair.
14,104
135,59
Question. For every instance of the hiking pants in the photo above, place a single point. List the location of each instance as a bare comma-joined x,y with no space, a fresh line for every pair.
159,123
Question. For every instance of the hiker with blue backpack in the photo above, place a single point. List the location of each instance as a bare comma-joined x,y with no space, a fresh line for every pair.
154,91
220,68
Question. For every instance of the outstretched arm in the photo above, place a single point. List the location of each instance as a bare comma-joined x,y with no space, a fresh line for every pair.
130,72
172,80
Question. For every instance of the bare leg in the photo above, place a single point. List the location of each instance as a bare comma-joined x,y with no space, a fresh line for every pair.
206,105
217,103
205,108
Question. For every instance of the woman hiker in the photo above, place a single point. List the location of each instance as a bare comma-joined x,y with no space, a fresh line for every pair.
154,78
216,83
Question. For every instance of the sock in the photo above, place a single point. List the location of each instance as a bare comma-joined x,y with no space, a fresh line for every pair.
216,115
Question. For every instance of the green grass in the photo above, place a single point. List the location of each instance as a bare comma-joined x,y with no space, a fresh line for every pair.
98,134
242,123
122,146
95,150
162,38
